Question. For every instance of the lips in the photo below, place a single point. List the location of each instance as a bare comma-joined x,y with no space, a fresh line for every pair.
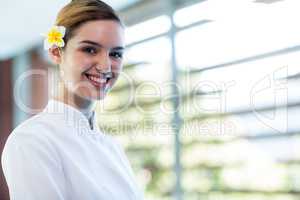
97,80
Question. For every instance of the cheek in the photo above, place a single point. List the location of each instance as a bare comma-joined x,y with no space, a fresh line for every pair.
73,72
117,66
80,61
117,69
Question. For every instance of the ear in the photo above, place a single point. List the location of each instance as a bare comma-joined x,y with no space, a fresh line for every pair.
55,55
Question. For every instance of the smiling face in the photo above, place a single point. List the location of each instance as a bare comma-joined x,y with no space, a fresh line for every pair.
95,49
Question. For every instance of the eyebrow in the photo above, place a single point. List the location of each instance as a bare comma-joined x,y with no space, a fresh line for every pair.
100,45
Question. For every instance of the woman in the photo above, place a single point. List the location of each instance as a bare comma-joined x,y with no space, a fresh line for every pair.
60,153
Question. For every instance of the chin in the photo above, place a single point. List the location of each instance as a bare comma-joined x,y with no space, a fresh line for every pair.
95,96
100,97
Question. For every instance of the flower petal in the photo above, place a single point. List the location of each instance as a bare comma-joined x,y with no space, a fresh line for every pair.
54,37
62,30
46,44
62,43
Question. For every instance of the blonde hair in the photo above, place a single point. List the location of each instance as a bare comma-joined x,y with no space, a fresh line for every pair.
78,12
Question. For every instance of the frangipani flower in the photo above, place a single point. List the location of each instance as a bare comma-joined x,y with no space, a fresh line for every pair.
54,37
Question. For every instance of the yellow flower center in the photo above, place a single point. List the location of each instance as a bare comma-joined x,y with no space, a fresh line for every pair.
54,36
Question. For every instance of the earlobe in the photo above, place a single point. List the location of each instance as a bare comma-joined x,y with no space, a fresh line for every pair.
55,55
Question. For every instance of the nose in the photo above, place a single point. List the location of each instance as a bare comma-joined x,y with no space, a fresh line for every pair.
104,63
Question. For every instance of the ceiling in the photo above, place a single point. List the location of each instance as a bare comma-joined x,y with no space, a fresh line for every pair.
23,22
267,1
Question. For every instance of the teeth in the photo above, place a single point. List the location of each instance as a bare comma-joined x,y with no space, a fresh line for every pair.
98,80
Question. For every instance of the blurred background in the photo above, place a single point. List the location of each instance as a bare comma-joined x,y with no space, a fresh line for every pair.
207,106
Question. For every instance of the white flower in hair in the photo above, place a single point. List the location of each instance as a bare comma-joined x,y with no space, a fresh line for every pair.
54,37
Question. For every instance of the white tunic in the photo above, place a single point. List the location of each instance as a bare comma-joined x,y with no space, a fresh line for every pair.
56,156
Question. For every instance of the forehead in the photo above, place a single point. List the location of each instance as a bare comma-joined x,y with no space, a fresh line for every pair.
106,32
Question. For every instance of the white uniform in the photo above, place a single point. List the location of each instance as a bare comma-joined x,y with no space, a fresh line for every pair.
56,156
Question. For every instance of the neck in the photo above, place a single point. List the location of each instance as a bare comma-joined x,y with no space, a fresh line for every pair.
85,106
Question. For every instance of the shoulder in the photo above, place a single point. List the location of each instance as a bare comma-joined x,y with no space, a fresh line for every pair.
33,127
28,143
41,126
33,124
30,135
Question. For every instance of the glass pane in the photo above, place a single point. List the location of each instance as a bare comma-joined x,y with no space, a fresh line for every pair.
239,77
147,29
235,33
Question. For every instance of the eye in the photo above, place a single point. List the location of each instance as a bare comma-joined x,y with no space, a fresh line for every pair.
117,55
90,50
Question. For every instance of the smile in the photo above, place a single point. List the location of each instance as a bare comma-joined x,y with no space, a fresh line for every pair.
97,81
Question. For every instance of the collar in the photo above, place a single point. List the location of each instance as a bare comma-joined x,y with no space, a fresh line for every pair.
72,116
